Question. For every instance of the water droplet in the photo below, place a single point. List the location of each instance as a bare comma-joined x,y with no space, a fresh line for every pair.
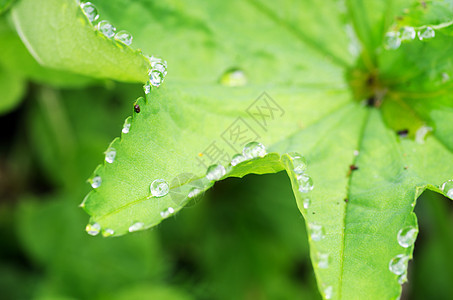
160,67
110,155
450,193
127,125
147,88
306,203
402,278
166,213
299,162
392,40
155,78
398,264
96,182
447,188
93,229
233,78
447,185
316,232
215,172
159,188
323,260
106,28
407,33
90,11
154,60
124,37
421,133
305,183
356,152
254,150
425,34
328,292
194,192
136,226
407,236
108,232
237,159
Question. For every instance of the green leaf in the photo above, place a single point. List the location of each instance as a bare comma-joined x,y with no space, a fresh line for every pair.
75,45
366,176
16,59
5,5
11,90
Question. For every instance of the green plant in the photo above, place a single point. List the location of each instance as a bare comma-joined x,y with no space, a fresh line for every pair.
360,89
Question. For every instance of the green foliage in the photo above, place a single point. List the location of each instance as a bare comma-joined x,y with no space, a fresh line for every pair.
344,92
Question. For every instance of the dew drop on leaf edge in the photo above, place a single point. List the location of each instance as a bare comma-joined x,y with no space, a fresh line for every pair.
254,150
299,162
398,264
159,188
106,28
93,229
90,10
215,172
96,182
402,278
124,37
127,125
406,236
194,192
426,33
447,188
108,232
392,40
305,183
110,155
306,202
155,78
407,33
168,212
136,226
237,159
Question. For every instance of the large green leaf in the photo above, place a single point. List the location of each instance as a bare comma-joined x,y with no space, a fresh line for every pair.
366,176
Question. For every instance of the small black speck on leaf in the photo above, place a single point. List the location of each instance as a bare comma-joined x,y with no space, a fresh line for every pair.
353,167
137,108
403,132
371,101
346,200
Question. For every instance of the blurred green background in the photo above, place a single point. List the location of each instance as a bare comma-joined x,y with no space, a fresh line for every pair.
244,240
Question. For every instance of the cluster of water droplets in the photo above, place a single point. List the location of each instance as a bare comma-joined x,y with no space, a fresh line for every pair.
406,237
104,26
305,182
393,39
250,151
